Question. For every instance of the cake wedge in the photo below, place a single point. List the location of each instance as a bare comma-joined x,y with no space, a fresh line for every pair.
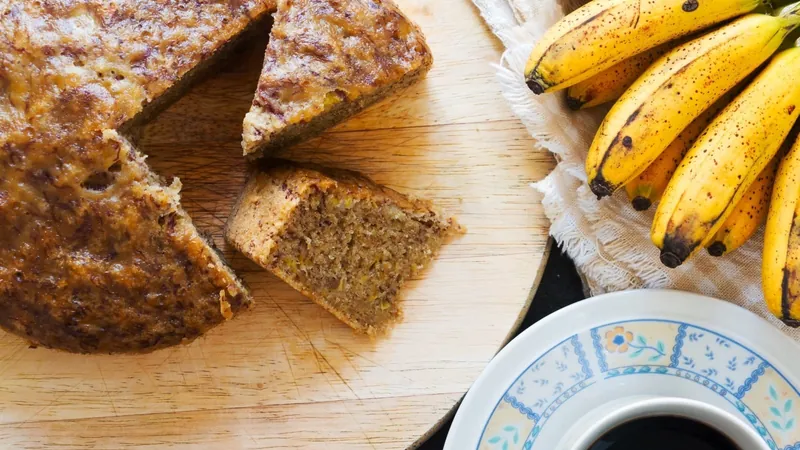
327,60
337,237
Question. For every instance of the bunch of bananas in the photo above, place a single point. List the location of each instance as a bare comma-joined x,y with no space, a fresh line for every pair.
706,95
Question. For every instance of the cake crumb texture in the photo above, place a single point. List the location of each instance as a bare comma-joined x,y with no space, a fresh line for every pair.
338,238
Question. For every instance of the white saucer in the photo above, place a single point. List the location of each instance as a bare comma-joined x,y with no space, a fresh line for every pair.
636,344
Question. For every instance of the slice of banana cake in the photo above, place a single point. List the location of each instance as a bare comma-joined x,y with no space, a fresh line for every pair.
338,238
327,60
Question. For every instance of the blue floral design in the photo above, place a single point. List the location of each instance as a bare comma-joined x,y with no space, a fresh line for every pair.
658,349
781,410
618,340
510,434
697,355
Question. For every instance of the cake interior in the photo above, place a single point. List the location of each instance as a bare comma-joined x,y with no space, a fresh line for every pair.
351,253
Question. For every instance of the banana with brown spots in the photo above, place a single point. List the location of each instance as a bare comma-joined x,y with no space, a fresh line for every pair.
648,187
602,33
610,84
780,271
727,158
749,214
674,91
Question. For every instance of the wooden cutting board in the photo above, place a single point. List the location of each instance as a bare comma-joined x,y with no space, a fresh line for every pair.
288,374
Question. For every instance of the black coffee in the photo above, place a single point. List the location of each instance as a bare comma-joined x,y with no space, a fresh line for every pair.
664,433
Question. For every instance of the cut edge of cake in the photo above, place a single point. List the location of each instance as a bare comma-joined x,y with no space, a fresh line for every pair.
255,148
263,225
193,76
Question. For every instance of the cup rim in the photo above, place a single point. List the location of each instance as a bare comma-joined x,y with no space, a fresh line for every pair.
596,425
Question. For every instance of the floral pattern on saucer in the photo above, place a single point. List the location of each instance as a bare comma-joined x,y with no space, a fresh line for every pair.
629,344
757,390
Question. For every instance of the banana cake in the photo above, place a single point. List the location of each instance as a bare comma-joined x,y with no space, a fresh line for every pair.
96,254
337,237
318,72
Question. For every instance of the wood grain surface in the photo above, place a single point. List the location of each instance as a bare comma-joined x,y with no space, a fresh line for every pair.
288,374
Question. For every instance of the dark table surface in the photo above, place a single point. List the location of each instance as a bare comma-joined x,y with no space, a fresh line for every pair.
560,286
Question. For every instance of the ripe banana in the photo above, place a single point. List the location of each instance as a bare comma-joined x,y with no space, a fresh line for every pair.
647,188
674,91
749,214
726,159
602,33
781,261
611,83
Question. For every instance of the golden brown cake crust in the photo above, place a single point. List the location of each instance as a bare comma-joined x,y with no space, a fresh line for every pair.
327,59
95,253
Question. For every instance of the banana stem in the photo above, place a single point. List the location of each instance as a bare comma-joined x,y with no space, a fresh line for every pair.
791,13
